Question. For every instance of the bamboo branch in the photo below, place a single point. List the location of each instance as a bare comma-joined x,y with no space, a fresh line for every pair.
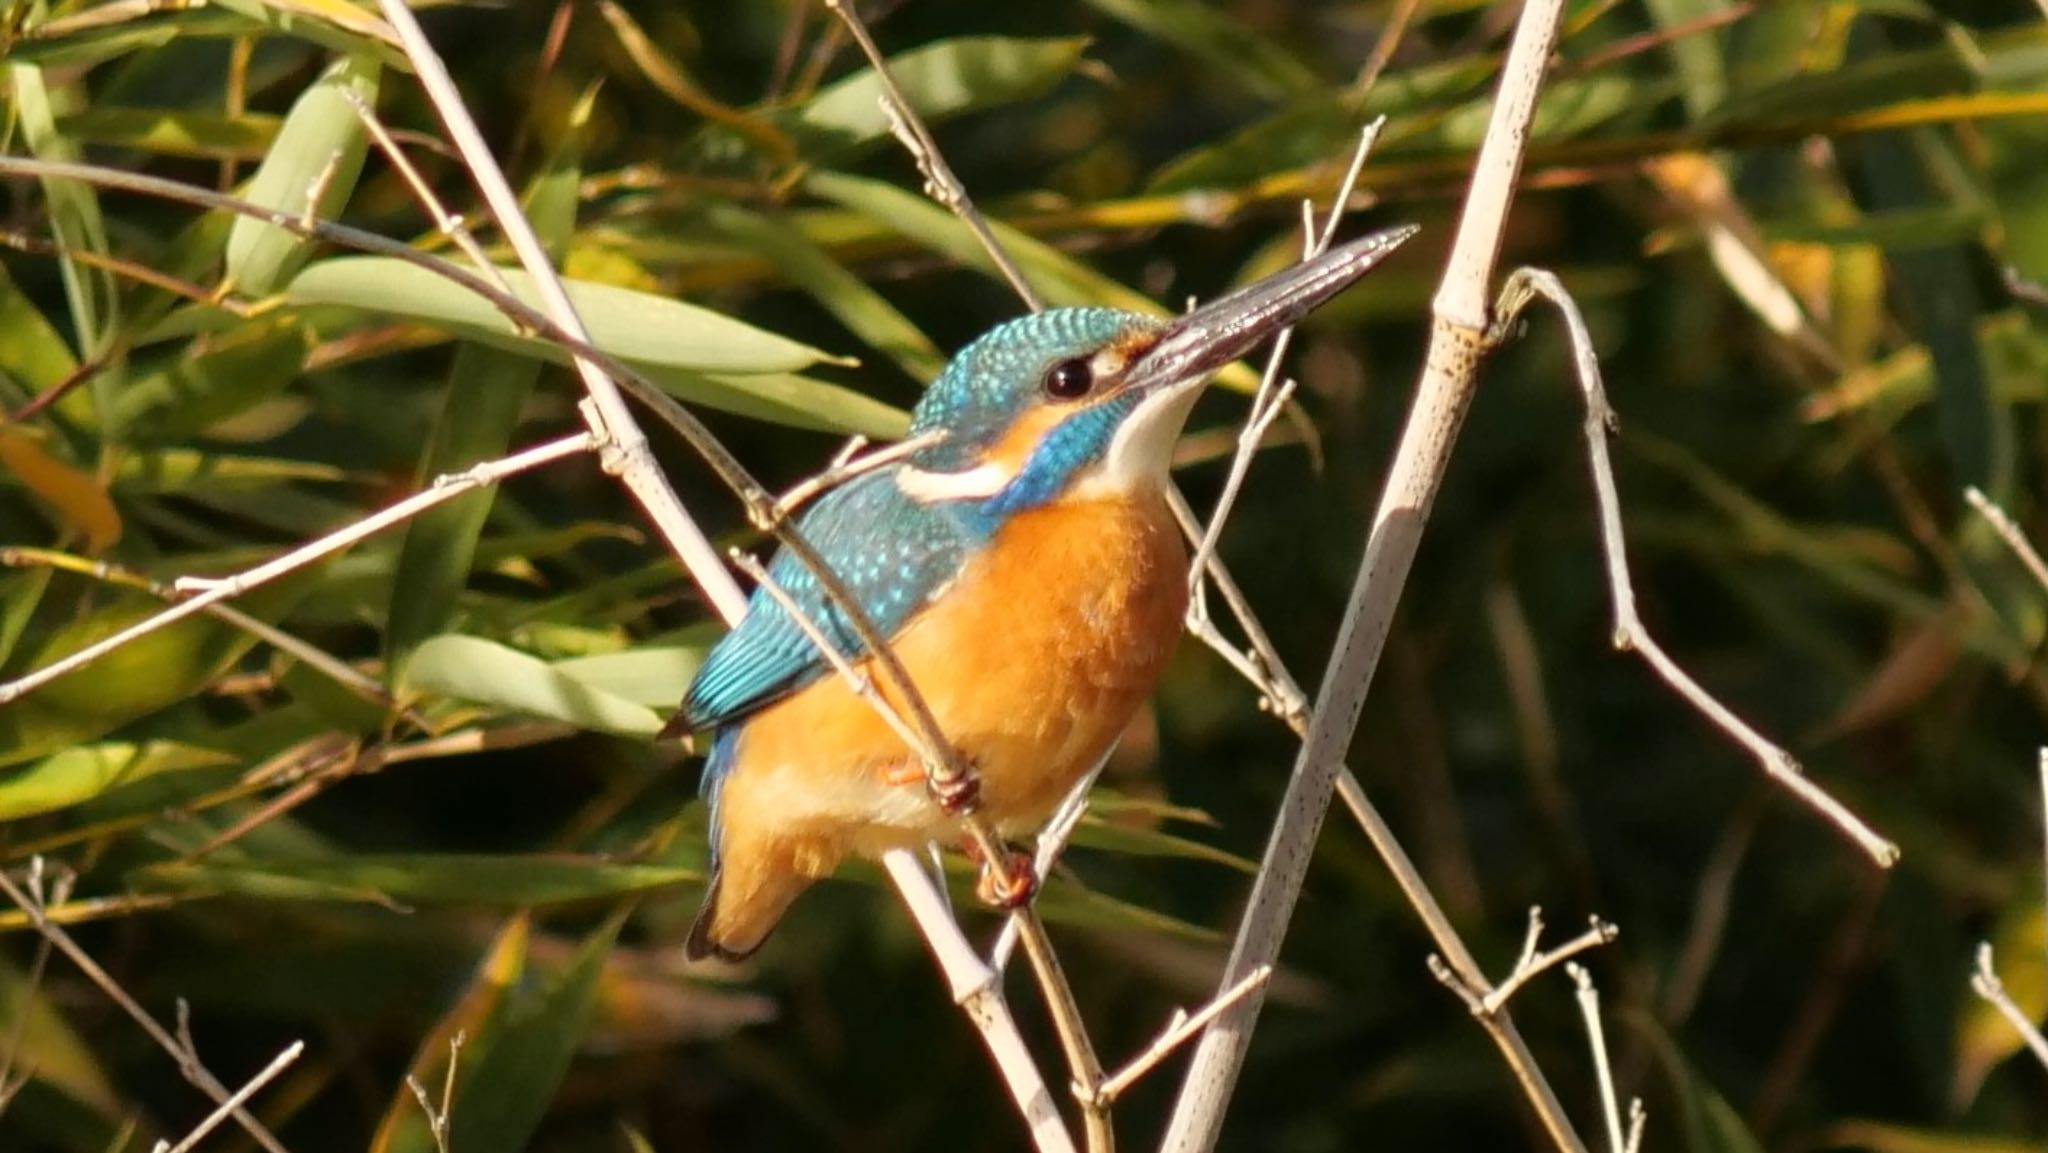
208,592
1456,343
626,455
30,901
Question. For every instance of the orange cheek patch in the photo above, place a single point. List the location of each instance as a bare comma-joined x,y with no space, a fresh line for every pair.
1021,440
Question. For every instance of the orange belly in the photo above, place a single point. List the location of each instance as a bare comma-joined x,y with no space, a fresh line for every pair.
1033,662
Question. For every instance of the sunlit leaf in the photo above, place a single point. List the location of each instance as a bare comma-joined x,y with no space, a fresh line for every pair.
418,878
86,771
859,307
640,328
938,80
174,133
654,677
474,669
1209,33
311,171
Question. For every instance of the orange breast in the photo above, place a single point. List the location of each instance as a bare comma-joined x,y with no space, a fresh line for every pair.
1033,661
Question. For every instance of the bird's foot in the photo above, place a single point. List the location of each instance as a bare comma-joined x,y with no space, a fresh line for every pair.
1009,884
955,797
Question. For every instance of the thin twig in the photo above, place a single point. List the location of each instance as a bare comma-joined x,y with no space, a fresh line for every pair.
1984,981
1456,344
625,454
338,670
1532,963
437,1118
1523,287
250,1089
452,226
31,903
1177,1032
2009,532
939,182
1603,1071
850,464
209,592
1271,396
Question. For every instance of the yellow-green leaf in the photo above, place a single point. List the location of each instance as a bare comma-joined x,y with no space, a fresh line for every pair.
311,170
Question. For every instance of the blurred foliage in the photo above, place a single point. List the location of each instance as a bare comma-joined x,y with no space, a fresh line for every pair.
1787,223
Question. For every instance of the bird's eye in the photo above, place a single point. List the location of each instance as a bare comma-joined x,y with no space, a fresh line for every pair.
1069,380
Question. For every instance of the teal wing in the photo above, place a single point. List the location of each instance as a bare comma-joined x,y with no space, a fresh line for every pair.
893,555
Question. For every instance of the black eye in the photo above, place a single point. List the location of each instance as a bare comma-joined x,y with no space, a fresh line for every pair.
1069,380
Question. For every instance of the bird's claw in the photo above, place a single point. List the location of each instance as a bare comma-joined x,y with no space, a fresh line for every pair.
959,796
1008,885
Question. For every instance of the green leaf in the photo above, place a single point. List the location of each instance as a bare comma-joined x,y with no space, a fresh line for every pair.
320,147
938,81
79,774
32,352
74,212
474,669
808,266
638,327
1705,1119
1881,1137
1228,48
333,24
104,31
417,878
218,380
151,672
507,1086
1144,841
652,676
487,391
174,133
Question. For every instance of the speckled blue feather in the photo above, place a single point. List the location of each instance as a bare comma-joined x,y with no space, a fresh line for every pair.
891,552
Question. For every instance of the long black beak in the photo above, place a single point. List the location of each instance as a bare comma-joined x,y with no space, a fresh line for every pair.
1199,343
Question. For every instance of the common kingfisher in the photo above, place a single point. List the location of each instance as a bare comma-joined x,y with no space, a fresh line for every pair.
1027,571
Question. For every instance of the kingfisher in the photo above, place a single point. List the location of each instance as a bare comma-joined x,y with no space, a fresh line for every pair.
1024,566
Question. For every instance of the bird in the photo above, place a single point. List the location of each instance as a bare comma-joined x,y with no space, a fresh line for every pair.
1022,564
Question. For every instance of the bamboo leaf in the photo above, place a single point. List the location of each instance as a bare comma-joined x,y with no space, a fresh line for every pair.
79,774
938,80
1228,48
417,878
487,390
859,307
654,676
174,133
474,669
311,171
638,327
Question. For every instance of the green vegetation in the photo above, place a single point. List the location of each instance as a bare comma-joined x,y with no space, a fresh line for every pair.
407,794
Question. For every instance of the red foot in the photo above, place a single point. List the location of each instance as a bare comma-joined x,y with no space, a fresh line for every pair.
956,798
1010,885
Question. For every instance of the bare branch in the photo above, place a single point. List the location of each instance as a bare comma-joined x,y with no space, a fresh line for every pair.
2010,533
1985,983
1177,1032
254,1085
1456,345
208,592
939,182
1487,1003
1523,287
1603,1070
31,900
